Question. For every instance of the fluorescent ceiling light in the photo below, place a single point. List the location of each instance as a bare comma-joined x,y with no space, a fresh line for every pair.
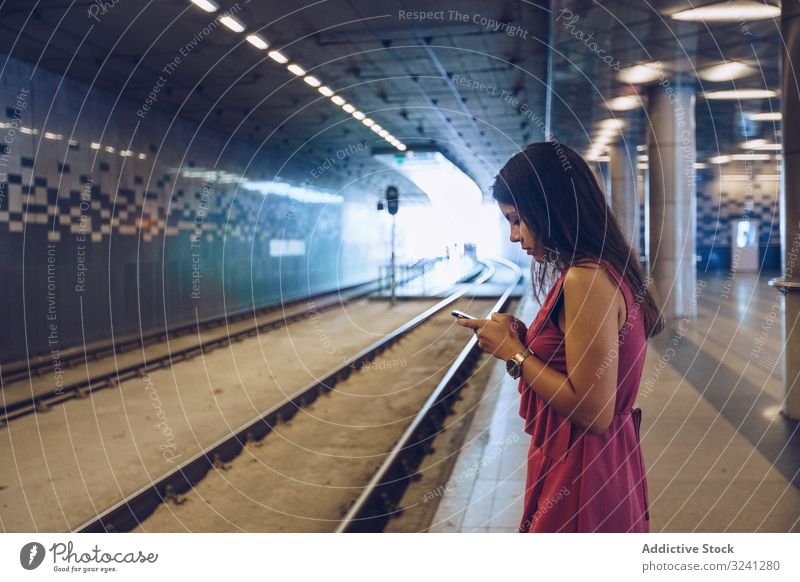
736,177
368,122
726,72
740,94
142,156
751,157
642,165
376,128
109,149
358,115
700,166
231,23
337,99
612,124
325,90
95,145
207,5
625,103
313,81
299,193
296,69
642,158
51,135
383,133
126,153
257,41
731,11
643,73
401,147
720,159
278,57
761,144
641,148
445,184
766,116
768,177
348,108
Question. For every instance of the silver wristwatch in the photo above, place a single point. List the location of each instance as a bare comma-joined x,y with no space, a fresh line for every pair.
514,365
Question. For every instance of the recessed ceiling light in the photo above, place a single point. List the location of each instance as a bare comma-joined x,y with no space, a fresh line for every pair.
730,11
348,108
726,72
766,116
231,23
719,160
368,122
337,99
358,115
612,124
207,5
325,90
625,103
313,81
278,57
643,73
751,157
257,41
296,69
740,94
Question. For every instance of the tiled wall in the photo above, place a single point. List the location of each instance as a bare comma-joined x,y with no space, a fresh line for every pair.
110,223
722,202
719,203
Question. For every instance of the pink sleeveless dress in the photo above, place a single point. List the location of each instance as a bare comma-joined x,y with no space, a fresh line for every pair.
577,481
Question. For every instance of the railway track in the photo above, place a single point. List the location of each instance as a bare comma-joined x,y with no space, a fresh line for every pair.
28,388
371,506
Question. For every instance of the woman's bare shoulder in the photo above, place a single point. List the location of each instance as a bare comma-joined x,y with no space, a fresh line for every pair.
590,277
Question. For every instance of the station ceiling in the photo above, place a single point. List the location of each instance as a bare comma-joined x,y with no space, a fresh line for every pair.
470,77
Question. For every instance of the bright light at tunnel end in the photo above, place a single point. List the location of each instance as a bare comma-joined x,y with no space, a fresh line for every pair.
445,184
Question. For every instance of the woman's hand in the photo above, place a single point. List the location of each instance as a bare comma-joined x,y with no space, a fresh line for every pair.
500,336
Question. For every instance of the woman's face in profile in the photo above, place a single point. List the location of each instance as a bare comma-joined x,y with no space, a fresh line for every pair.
521,233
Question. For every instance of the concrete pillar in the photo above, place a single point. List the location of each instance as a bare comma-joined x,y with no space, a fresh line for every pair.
790,207
624,198
671,204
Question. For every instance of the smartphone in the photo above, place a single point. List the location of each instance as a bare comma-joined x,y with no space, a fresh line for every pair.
461,315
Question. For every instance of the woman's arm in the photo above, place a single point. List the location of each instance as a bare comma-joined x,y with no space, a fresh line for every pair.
587,393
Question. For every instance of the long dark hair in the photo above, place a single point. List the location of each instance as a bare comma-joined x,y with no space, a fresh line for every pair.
558,198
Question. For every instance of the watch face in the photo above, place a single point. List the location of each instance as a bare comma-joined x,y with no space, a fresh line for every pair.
513,368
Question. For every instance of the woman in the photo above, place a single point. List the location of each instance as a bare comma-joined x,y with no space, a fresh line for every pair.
585,349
